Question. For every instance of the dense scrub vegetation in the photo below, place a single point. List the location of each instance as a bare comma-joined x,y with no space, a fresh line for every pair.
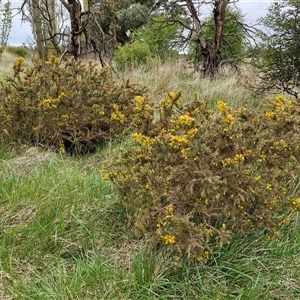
196,177
118,189
72,106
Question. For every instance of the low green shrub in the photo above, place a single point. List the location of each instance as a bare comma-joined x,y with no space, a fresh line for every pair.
73,106
198,176
133,54
17,50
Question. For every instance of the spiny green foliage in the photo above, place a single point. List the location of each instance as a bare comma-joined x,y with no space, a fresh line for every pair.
73,107
197,177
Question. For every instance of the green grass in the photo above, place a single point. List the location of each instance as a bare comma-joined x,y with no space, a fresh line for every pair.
63,235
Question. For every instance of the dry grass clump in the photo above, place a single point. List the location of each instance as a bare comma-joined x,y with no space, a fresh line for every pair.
177,75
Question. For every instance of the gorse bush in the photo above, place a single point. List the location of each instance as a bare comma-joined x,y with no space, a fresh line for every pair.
198,176
73,107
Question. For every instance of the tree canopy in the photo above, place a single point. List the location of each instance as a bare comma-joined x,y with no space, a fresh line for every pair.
279,60
233,44
100,26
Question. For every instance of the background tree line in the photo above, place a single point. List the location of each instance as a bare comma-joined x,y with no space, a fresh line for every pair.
132,31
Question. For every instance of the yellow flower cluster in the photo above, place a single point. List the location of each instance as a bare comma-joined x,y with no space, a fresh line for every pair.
168,239
178,141
53,60
239,159
62,149
279,106
282,103
139,102
185,152
170,209
226,162
186,120
52,102
229,119
222,107
269,187
296,204
141,139
18,65
281,144
117,115
98,110
192,132
20,61
171,99
270,115
204,257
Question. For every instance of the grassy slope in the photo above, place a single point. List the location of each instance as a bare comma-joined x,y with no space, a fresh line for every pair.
63,236
63,231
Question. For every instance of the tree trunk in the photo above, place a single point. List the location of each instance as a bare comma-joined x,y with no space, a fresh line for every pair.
74,9
210,53
37,28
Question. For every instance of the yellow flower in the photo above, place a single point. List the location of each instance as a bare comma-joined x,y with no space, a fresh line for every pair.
170,209
239,159
222,107
117,115
18,65
296,204
178,141
138,137
53,60
172,98
270,115
226,162
62,149
20,60
269,187
185,152
168,239
229,119
139,102
186,120
192,132
281,144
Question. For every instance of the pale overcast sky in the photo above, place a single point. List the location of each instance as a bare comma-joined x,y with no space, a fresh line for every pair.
21,32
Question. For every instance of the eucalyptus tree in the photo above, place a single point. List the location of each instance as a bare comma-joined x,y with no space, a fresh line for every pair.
217,44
